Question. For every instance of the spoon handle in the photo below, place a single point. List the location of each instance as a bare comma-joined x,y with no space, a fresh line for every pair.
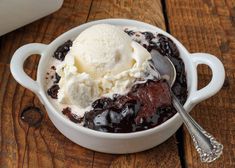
206,145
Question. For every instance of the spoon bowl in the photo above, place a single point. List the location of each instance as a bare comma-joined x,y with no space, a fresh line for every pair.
164,66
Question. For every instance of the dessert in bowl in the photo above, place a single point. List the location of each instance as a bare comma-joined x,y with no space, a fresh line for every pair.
102,95
103,81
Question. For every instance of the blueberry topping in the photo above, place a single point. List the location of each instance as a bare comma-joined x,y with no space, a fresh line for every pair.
57,78
166,46
101,103
62,50
53,91
148,35
138,110
73,117
129,32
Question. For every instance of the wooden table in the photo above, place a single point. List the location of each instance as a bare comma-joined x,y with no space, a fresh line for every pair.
201,25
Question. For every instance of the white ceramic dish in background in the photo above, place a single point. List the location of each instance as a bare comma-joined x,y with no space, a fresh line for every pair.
116,142
17,13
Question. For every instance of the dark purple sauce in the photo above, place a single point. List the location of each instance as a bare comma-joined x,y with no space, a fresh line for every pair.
167,47
73,117
62,50
142,108
53,91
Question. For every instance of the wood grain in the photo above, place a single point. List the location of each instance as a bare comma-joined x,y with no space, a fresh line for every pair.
27,146
209,26
147,11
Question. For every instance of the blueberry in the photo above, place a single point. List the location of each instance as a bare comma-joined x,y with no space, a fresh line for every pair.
148,35
53,91
101,103
62,50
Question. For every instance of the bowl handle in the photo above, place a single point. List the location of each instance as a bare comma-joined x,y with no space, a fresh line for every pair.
17,65
217,80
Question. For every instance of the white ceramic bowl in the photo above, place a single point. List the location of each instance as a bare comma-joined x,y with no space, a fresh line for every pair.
116,142
15,13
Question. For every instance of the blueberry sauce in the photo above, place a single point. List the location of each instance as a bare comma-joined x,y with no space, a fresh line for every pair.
62,50
73,117
142,108
53,91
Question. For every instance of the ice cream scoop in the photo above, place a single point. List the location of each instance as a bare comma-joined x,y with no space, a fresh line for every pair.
103,49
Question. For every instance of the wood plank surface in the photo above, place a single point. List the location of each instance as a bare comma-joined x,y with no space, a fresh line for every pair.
147,11
23,145
209,26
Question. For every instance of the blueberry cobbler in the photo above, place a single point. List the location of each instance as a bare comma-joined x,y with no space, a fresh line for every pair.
102,79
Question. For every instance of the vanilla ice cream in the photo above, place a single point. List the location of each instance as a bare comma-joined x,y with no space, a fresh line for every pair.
102,61
102,50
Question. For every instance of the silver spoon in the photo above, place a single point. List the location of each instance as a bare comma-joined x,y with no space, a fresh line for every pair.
206,145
